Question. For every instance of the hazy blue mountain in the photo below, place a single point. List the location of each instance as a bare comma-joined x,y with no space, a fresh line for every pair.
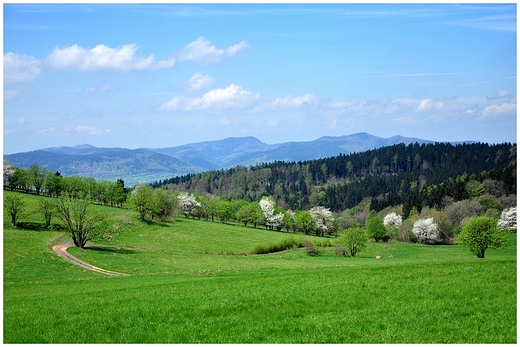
149,164
216,154
133,166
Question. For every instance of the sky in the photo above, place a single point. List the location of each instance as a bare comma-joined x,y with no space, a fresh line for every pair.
164,75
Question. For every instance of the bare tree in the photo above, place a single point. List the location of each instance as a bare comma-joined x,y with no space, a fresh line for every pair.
78,219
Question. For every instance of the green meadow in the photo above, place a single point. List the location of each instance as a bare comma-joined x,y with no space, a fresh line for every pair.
192,281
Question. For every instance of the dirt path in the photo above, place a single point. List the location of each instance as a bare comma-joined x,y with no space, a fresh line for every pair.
61,250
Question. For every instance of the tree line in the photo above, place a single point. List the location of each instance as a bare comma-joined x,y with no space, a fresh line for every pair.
43,181
414,175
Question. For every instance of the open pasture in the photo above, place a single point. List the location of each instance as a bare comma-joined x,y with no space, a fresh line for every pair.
191,282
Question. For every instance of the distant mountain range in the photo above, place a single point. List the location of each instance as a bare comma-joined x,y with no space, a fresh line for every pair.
151,164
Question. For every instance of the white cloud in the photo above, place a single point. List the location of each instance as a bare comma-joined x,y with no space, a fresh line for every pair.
231,97
202,51
20,67
498,110
200,81
288,102
173,104
423,105
90,130
102,57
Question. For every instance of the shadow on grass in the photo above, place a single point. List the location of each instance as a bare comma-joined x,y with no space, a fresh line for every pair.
109,249
156,223
38,226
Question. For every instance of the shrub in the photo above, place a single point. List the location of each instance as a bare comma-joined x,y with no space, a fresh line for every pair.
281,245
310,247
353,241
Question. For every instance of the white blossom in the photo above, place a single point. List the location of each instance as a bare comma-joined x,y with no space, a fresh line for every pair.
426,231
508,219
188,204
272,220
8,172
393,220
323,219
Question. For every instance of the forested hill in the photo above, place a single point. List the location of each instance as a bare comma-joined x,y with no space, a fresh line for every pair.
412,175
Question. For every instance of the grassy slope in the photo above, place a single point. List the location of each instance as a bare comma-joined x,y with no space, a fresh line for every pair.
186,288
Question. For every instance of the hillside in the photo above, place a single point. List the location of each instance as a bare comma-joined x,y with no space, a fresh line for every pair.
388,176
150,164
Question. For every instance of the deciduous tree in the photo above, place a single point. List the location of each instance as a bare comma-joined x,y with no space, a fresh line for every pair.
481,233
188,204
323,220
353,241
37,175
426,231
375,227
273,219
507,220
47,207
140,200
8,172
14,205
304,222
78,219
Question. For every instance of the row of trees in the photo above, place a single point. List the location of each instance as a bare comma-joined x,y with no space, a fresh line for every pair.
430,227
43,181
160,203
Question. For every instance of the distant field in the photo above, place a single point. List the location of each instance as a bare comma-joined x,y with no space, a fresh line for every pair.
190,283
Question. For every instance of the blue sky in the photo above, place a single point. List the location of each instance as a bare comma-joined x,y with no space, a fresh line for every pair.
169,74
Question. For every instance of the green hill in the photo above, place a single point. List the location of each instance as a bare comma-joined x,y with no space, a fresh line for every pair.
191,282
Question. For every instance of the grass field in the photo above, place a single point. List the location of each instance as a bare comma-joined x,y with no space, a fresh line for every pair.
190,282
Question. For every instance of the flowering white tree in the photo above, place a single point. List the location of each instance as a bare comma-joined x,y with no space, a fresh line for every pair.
393,220
508,219
188,204
272,219
426,231
323,219
8,172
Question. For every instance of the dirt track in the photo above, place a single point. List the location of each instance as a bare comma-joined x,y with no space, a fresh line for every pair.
61,250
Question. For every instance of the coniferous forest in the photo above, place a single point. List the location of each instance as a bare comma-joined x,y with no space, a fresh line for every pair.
413,175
